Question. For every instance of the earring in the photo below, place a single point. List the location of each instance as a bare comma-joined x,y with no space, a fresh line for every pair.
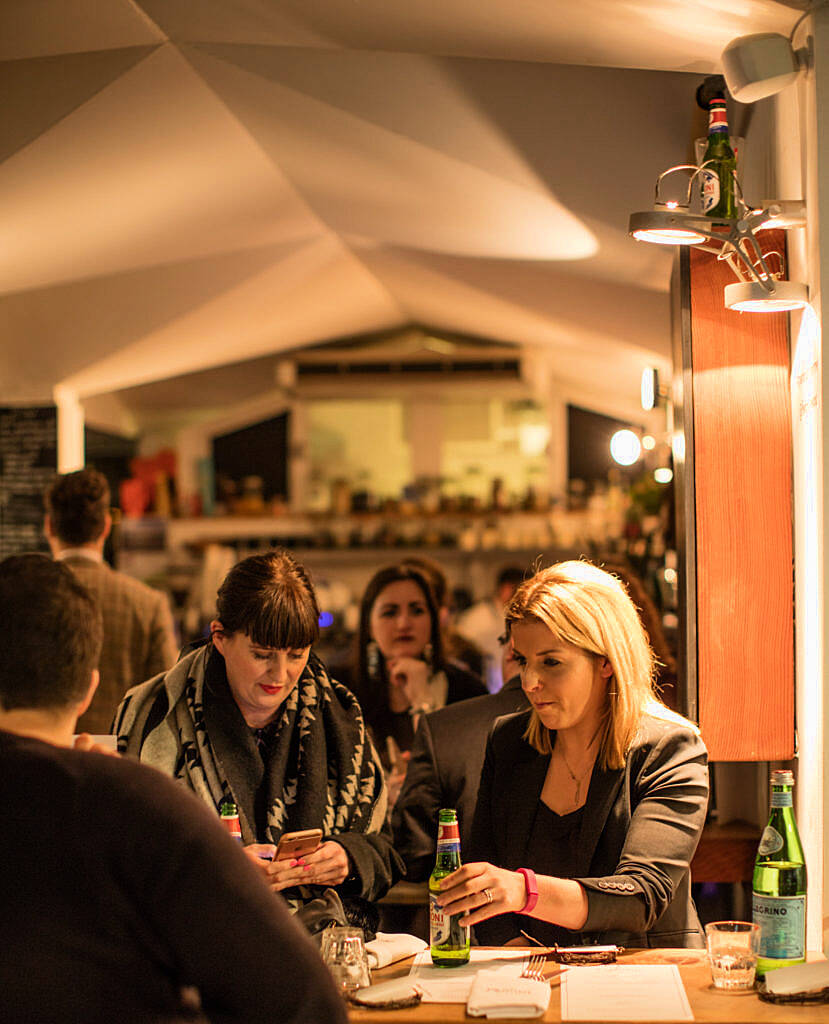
372,659
428,654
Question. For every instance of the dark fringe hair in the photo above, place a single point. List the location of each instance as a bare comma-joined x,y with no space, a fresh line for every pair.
270,598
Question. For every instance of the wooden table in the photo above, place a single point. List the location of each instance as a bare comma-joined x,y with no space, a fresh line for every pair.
708,1004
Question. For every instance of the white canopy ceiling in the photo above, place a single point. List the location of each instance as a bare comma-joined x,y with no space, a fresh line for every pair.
190,183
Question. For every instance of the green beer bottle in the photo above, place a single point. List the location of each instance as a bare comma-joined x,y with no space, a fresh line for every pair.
449,941
718,179
778,902
229,813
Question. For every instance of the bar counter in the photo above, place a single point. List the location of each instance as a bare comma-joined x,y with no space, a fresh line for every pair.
708,1004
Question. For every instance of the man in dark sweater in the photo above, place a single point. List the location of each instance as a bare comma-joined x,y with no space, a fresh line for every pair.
122,896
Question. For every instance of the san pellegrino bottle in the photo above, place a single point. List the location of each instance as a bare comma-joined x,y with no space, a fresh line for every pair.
448,939
718,178
778,901
229,813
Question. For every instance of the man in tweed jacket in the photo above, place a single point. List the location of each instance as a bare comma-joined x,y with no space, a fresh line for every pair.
139,641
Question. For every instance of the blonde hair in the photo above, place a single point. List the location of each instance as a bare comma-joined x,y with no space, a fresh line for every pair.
590,608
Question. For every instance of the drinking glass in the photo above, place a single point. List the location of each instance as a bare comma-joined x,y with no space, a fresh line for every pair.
732,953
344,953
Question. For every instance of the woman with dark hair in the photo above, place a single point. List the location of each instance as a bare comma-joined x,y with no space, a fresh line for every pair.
251,717
401,669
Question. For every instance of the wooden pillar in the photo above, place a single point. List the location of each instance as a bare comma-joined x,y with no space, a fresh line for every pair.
737,406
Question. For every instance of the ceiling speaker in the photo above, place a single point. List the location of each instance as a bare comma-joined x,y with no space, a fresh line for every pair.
760,65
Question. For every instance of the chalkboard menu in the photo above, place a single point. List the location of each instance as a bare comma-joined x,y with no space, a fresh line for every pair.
28,463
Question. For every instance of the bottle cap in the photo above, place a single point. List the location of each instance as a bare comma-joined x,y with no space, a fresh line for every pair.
782,777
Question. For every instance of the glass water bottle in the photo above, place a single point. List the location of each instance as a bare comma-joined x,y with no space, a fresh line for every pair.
778,902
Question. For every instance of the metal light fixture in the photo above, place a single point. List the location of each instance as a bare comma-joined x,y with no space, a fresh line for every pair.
749,297
672,222
650,393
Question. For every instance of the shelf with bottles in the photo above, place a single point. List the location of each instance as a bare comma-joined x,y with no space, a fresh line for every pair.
466,531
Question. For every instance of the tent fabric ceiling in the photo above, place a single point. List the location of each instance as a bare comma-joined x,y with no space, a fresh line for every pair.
186,184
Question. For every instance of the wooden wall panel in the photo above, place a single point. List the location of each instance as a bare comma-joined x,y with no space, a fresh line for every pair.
742,476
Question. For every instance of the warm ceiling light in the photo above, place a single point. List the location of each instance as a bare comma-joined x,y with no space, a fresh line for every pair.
625,447
649,442
663,475
751,297
665,227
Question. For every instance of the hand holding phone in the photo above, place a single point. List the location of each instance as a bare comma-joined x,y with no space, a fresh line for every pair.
293,845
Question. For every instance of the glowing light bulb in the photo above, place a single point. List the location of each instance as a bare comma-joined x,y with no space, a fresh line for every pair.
625,447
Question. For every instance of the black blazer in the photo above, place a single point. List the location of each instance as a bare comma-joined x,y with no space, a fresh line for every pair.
639,832
447,756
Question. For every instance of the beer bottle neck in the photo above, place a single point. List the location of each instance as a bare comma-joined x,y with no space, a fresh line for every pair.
717,121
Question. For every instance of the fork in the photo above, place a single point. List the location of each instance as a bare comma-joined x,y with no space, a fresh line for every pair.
535,967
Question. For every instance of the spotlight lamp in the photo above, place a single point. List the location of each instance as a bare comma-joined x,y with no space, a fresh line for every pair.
650,393
672,222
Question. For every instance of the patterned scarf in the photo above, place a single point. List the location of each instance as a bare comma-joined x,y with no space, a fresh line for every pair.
320,769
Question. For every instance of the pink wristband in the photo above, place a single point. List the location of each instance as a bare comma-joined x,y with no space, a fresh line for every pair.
532,890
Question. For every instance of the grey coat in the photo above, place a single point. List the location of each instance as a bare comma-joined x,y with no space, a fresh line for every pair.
639,832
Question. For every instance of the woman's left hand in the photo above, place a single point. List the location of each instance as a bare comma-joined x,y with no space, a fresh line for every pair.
409,678
465,892
327,865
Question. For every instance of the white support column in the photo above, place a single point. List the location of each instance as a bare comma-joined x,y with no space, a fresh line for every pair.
71,454
802,116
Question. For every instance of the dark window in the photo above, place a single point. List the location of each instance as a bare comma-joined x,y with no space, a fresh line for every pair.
588,446
260,450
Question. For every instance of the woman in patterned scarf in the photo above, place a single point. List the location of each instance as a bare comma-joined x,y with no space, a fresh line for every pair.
252,717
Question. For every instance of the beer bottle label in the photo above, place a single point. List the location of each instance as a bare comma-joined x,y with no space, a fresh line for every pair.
782,921
449,837
439,923
783,799
770,842
710,190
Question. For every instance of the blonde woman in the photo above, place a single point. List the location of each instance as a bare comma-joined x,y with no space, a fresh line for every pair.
592,802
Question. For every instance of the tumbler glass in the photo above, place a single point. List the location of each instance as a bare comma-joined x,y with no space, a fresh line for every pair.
344,952
732,953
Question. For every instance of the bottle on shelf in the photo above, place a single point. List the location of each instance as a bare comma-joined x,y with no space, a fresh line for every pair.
719,177
778,902
449,941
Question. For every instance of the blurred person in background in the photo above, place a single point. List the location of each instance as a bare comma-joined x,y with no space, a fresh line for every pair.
445,768
665,662
252,717
401,671
483,623
457,649
139,639
147,910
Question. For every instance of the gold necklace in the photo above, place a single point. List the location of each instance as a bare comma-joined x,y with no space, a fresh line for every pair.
576,779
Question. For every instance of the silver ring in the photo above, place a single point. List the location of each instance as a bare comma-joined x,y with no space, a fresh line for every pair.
488,894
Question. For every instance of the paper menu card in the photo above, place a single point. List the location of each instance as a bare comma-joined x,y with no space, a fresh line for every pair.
635,992
453,984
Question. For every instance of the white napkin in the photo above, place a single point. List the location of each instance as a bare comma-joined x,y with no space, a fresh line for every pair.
798,978
493,995
390,947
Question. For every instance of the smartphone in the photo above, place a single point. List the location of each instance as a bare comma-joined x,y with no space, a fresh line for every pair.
297,844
